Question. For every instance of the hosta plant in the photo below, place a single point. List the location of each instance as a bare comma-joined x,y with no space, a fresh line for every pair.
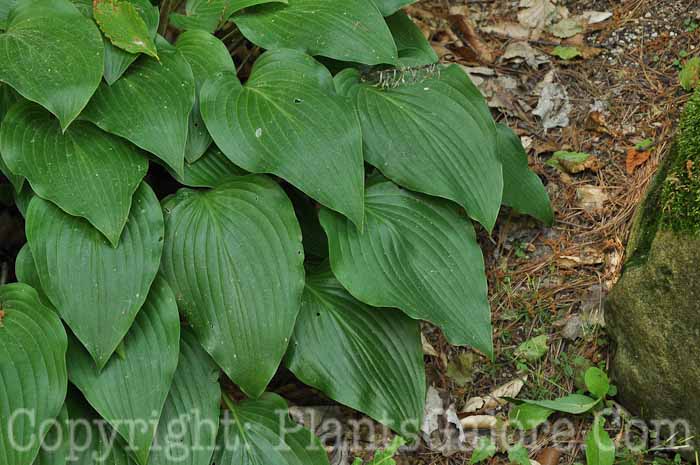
216,189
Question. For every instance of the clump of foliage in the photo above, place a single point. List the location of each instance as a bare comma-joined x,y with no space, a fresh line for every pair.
680,194
319,217
600,449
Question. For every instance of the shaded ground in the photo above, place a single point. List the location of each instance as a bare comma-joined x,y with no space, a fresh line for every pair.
553,281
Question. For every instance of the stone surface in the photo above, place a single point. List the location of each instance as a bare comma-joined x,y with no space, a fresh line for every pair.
653,313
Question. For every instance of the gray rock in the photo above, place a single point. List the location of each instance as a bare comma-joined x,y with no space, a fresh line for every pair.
653,313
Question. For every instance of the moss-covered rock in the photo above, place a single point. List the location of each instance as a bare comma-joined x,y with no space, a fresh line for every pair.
680,194
653,313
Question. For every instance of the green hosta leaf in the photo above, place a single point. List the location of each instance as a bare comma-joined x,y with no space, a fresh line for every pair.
234,258
84,7
389,7
600,449
56,447
597,382
313,236
133,385
573,403
85,171
25,270
184,435
209,15
433,135
7,98
5,7
150,105
123,25
212,169
413,48
33,379
16,181
417,254
207,56
23,197
348,31
97,288
87,439
262,433
52,55
288,121
373,350
90,441
522,189
117,61
528,416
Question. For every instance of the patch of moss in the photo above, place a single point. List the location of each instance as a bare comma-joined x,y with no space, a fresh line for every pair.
680,194
647,219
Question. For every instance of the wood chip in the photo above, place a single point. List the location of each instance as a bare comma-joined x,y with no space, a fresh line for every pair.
549,456
479,422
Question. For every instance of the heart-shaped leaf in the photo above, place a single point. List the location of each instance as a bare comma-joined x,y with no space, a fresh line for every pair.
432,134
373,350
132,387
288,121
417,254
207,56
97,288
209,15
347,31
149,105
186,433
33,378
234,258
414,50
122,23
64,79
212,169
389,7
85,171
522,189
261,432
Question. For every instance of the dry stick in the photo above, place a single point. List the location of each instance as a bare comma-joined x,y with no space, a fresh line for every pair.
463,26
